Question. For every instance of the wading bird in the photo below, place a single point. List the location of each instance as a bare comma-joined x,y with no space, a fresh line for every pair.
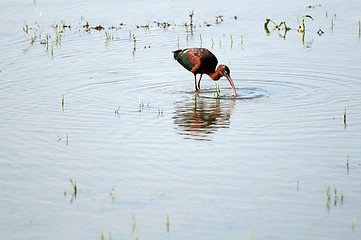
202,61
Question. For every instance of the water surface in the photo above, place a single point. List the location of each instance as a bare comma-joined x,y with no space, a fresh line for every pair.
252,167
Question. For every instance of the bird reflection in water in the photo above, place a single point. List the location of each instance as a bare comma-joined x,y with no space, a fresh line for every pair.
199,117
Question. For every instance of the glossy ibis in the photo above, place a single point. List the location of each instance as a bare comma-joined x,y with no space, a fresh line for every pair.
202,61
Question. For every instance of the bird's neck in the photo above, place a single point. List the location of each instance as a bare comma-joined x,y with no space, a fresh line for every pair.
215,75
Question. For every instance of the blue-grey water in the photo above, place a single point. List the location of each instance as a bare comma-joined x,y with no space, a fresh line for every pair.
253,167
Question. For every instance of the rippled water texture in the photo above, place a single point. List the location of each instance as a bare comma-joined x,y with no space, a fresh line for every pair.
152,159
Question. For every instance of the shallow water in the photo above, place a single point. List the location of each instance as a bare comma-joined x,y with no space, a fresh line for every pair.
252,167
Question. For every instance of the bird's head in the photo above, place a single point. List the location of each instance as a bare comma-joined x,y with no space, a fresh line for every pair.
225,70
227,73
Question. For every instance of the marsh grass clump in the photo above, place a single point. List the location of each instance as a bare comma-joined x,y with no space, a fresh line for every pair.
337,195
108,36
218,91
275,26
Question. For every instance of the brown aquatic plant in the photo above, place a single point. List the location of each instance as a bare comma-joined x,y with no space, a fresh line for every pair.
86,25
191,18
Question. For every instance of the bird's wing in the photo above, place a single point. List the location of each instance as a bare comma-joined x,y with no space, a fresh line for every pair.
186,58
204,60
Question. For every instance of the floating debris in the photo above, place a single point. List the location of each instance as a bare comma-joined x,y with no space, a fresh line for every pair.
313,6
64,25
219,19
163,24
207,24
98,27
320,32
86,25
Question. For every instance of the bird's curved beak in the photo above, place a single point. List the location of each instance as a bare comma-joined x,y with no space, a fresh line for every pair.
231,82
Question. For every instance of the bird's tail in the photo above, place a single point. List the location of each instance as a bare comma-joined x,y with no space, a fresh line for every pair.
177,52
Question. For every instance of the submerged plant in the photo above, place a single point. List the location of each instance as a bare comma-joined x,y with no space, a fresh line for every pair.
133,218
52,48
267,21
108,36
167,223
218,91
26,30
328,192
102,234
341,193
160,112
284,23
73,184
112,192
303,27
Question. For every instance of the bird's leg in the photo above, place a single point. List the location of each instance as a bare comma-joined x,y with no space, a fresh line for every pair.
199,82
195,82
